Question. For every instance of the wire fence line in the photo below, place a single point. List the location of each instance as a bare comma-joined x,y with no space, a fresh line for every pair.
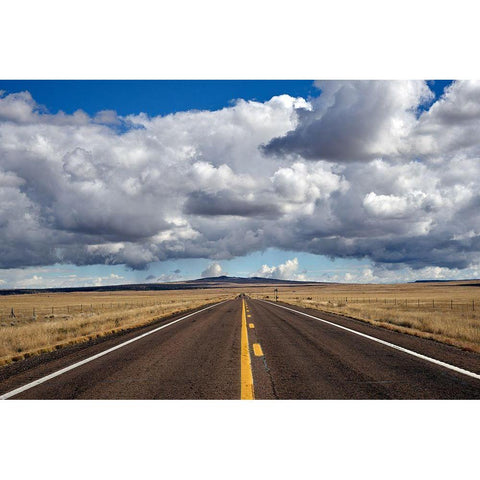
424,303
42,312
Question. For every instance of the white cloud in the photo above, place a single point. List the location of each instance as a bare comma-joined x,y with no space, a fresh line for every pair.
213,270
50,277
355,173
393,206
284,271
355,120
451,127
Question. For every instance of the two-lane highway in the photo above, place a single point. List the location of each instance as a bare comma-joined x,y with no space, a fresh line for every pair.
252,349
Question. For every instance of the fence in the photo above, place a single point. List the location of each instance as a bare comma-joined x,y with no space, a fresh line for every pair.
423,303
9,314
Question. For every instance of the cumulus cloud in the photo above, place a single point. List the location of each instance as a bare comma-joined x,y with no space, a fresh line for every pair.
355,120
386,274
172,276
76,191
53,277
284,271
451,127
213,270
365,170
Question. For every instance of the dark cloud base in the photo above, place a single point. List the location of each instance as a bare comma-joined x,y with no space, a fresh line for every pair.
367,170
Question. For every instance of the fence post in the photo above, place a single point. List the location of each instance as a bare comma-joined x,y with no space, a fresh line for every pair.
473,305
451,304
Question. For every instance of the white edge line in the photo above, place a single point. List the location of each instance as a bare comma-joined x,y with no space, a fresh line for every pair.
30,385
392,345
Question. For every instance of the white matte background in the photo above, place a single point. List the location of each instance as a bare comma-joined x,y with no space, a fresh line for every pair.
238,40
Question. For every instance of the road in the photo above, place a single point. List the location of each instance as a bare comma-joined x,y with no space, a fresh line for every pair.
253,349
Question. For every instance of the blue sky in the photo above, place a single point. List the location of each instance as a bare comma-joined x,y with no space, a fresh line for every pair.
161,97
250,108
154,97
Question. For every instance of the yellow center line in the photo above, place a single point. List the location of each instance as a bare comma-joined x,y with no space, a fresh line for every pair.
246,377
257,350
251,325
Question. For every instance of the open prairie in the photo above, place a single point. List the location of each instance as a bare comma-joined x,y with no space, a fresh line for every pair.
445,311
37,323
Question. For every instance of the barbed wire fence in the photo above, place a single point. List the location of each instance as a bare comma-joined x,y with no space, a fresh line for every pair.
396,302
17,313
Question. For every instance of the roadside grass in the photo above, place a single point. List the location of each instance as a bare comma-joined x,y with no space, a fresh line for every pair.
25,336
446,312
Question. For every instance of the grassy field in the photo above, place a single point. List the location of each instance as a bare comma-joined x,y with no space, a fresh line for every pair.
447,312
37,323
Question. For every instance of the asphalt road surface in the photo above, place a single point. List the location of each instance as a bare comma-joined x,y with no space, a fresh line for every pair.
253,349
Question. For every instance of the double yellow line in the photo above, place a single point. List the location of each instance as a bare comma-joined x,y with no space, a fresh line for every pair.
246,392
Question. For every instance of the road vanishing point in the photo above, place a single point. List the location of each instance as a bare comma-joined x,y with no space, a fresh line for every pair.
253,349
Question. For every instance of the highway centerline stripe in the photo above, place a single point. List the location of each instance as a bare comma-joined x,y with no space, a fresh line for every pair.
388,344
257,350
30,385
251,325
246,377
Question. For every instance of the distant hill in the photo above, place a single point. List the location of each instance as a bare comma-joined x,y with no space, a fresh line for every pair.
245,280
210,282
443,281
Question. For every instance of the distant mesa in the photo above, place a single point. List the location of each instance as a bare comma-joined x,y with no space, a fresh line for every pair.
209,282
243,280
451,280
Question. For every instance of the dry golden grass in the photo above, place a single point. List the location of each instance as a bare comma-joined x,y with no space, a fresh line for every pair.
447,312
80,316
